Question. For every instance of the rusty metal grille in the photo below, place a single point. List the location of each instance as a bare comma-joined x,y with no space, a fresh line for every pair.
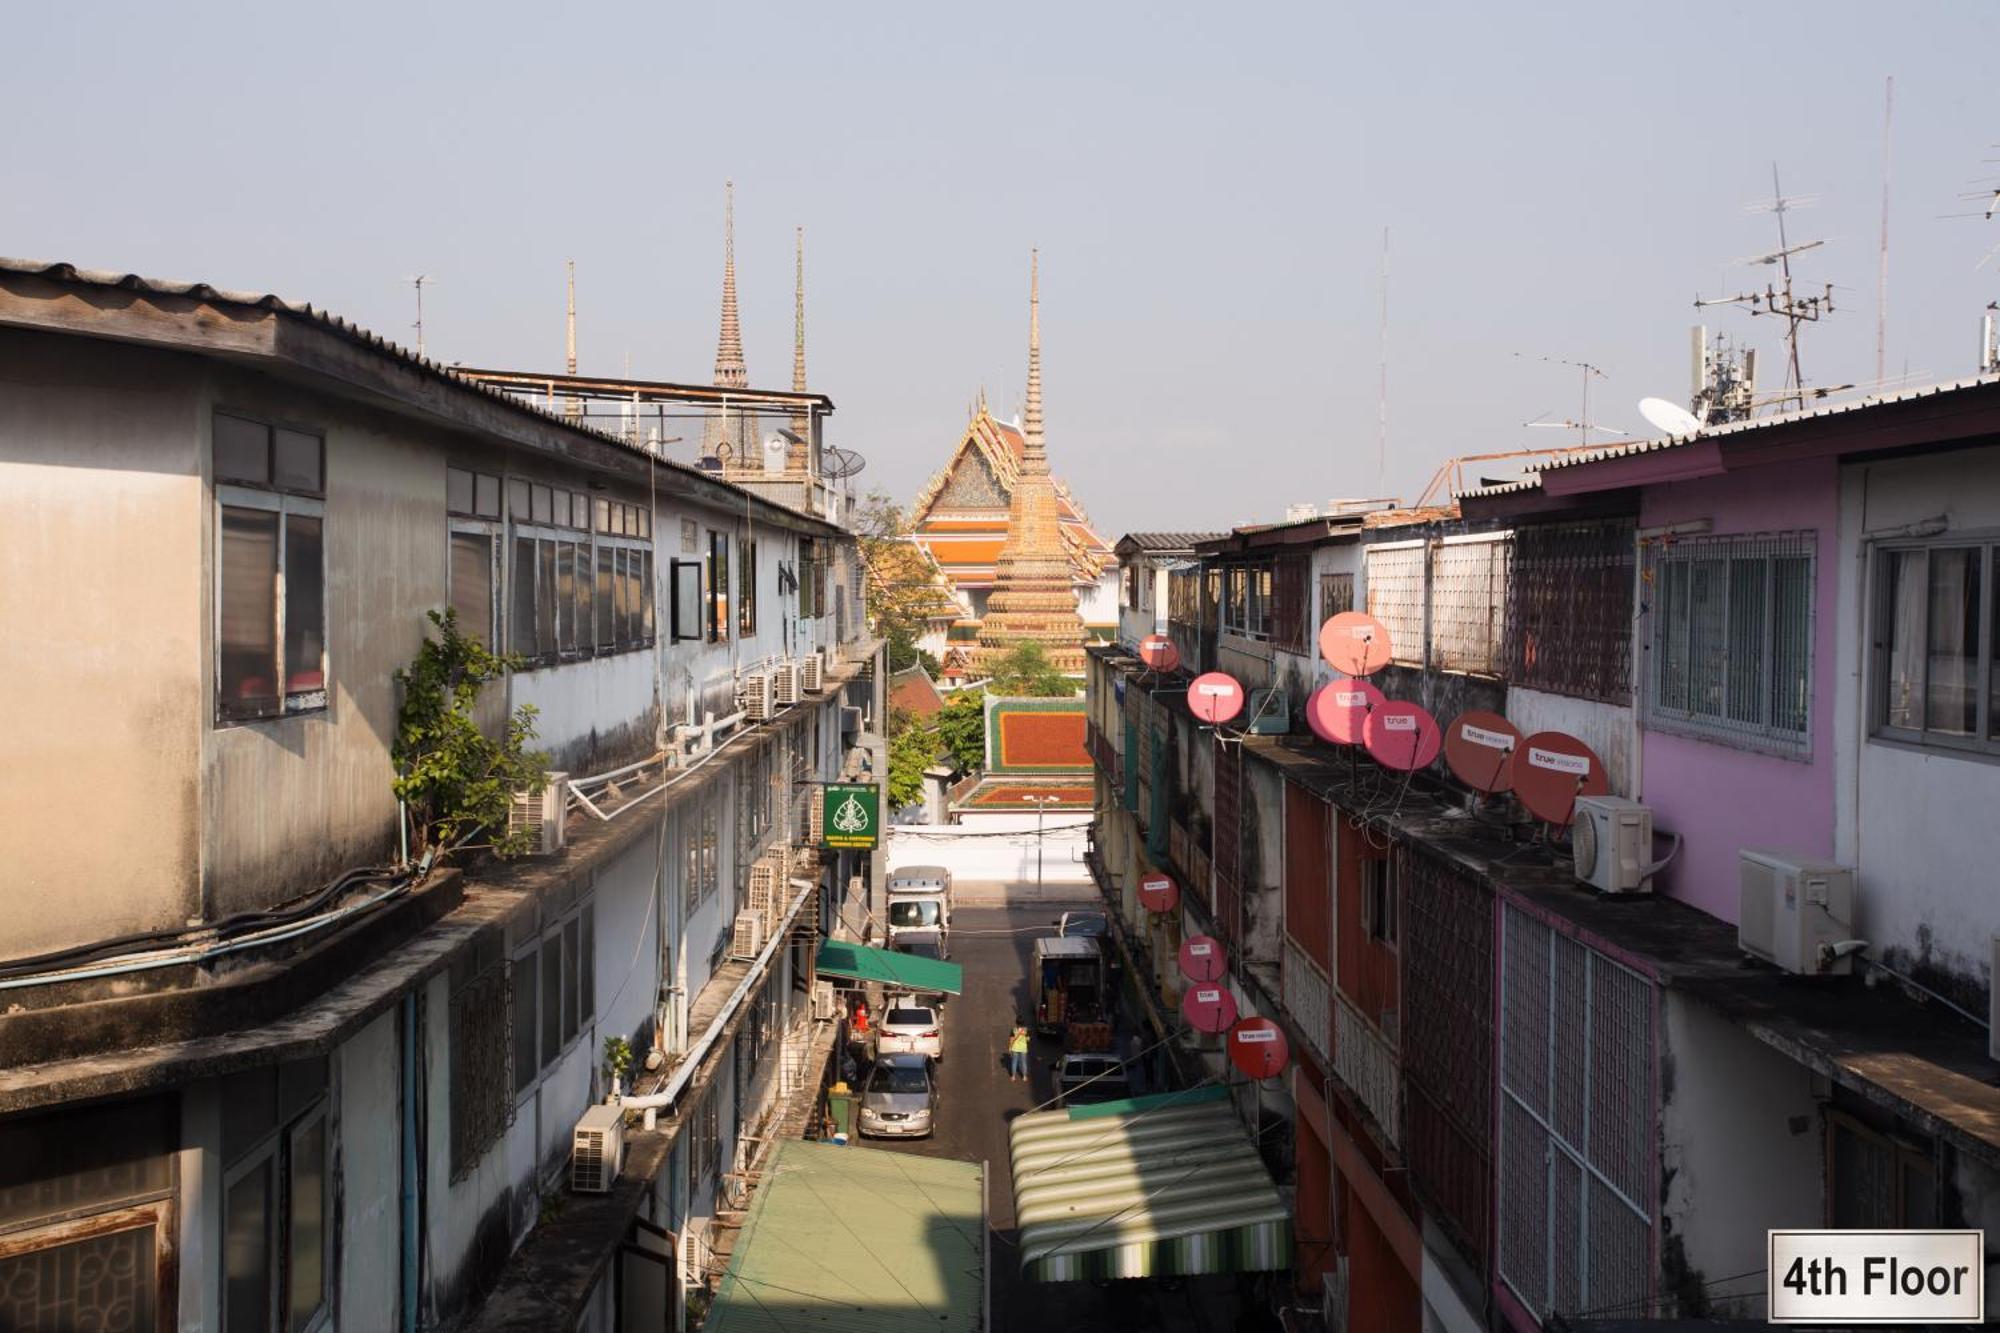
482,1078
1447,1046
1291,602
1336,594
1569,610
1228,844
1396,597
1577,1167
1469,579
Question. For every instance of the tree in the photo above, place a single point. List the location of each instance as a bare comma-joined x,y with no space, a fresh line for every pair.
904,594
1026,671
961,729
456,779
913,747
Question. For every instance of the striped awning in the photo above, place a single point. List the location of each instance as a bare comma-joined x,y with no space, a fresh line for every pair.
1149,1187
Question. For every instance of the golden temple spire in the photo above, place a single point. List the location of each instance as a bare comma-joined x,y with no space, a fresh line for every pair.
1034,452
730,425
797,454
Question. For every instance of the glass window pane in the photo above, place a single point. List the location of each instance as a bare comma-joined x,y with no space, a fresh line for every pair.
242,450
572,1001
545,599
586,618
646,594
559,507
517,499
249,615
526,1066
1745,664
246,1252
566,592
1708,636
551,999
603,515
305,605
606,634
472,584
1951,701
579,510
622,592
1791,638
521,599
83,1158
645,522
587,986
541,503
1993,648
486,495
108,1281
306,1245
1903,677
298,461
458,490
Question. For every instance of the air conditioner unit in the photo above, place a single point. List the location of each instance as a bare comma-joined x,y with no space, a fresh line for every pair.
825,1007
1270,713
540,815
597,1150
1333,1298
754,697
785,684
1612,839
746,937
764,882
1792,909
812,672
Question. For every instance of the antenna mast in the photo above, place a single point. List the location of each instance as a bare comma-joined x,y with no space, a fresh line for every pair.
1778,299
1882,271
1382,387
418,282
1583,425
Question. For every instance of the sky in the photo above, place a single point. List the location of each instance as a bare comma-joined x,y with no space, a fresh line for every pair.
1208,187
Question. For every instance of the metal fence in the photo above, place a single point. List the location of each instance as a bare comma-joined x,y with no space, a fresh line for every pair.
1306,998
1396,596
1365,1061
1469,603
1569,609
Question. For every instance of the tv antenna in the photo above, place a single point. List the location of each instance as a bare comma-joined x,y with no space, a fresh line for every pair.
418,281
1583,425
1778,298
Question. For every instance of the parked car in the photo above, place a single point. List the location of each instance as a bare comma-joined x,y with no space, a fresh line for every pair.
1084,1077
900,1098
1092,924
909,1028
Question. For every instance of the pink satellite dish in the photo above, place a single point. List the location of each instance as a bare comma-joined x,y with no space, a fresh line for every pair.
1209,1008
1159,893
1338,710
1402,736
1479,749
1157,651
1354,643
1202,958
1552,769
1215,698
1257,1046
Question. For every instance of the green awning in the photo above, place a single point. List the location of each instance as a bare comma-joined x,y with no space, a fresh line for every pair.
1155,1186
899,971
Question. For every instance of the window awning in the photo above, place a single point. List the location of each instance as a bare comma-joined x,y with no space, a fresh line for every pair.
904,971
1155,1186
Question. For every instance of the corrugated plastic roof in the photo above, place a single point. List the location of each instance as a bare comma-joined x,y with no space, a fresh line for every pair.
858,1240
841,958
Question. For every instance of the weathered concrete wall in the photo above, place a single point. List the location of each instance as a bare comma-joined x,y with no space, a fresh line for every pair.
592,715
368,1154
1609,729
101,559
628,945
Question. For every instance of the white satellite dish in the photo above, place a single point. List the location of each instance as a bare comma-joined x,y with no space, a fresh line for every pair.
1669,417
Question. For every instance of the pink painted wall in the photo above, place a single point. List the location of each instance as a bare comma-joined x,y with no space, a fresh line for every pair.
1719,798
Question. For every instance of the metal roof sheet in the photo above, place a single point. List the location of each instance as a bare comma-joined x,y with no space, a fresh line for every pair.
1166,541
858,1240
841,958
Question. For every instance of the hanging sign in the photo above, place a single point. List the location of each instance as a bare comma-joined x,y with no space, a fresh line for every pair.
1257,1046
1208,1009
1202,958
852,814
1159,893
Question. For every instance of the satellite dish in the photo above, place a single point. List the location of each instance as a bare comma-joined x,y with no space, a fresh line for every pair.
1338,710
1257,1046
1209,1009
1159,893
1202,959
1401,736
1479,749
1354,643
1215,697
1669,417
1552,769
1157,651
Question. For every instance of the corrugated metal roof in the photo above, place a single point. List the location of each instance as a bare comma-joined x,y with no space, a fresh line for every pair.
858,1240
905,971
1167,541
59,271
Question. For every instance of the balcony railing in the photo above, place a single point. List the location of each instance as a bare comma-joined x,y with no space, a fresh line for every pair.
1190,861
1364,1060
1306,997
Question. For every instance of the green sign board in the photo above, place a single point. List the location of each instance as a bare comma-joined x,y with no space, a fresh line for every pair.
852,815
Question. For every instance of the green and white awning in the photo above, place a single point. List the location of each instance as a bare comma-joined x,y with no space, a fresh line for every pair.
1155,1186
897,971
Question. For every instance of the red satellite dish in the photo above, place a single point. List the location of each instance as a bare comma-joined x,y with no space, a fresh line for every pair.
1337,710
1158,652
1209,1008
1202,958
1215,698
1553,768
1257,1046
1479,749
1354,643
1159,893
1402,736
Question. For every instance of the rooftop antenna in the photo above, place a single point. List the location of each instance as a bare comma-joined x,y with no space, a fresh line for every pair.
1882,265
1778,298
418,282
573,407
1583,425
1382,388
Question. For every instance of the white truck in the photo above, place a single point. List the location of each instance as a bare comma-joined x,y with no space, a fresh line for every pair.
920,910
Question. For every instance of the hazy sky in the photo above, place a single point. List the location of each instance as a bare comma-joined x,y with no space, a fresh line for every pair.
1208,186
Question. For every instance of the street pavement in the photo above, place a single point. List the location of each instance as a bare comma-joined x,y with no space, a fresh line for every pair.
995,946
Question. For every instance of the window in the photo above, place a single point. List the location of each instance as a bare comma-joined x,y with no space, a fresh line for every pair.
1290,605
271,578
812,580
1875,1181
685,592
1336,594
480,1102
1731,639
1246,600
1378,900
580,576
1468,592
277,1245
553,990
1937,617
701,848
86,1214
746,587
1396,596
704,1142
718,587
1184,597
1569,609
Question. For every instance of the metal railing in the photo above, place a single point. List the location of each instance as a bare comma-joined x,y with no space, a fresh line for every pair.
1307,997
1364,1060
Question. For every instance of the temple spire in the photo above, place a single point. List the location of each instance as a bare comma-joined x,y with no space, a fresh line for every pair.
1034,451
730,426
798,456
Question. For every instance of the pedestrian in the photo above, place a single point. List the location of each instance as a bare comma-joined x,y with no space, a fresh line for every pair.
1017,1053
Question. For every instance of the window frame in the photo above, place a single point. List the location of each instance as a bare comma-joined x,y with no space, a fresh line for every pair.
275,1150
746,586
489,525
576,991
594,528
1985,737
719,593
268,496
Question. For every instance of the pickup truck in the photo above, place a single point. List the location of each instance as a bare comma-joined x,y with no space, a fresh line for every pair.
1068,988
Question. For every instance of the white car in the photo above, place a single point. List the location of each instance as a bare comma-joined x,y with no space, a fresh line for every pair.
909,1028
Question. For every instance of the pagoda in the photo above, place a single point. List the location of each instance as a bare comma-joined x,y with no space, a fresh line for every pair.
729,435
1034,595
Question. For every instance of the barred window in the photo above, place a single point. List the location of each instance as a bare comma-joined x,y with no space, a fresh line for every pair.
1469,603
1936,629
1396,597
1569,609
1336,594
481,1089
1731,639
1291,602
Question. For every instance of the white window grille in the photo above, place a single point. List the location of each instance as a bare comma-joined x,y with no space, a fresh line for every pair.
1365,1061
1306,998
1469,603
1396,597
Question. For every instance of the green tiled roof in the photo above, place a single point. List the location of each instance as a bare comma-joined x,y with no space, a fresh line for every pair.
858,1240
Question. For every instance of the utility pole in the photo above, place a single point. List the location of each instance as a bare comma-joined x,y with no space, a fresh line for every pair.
1882,273
1041,804
418,282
